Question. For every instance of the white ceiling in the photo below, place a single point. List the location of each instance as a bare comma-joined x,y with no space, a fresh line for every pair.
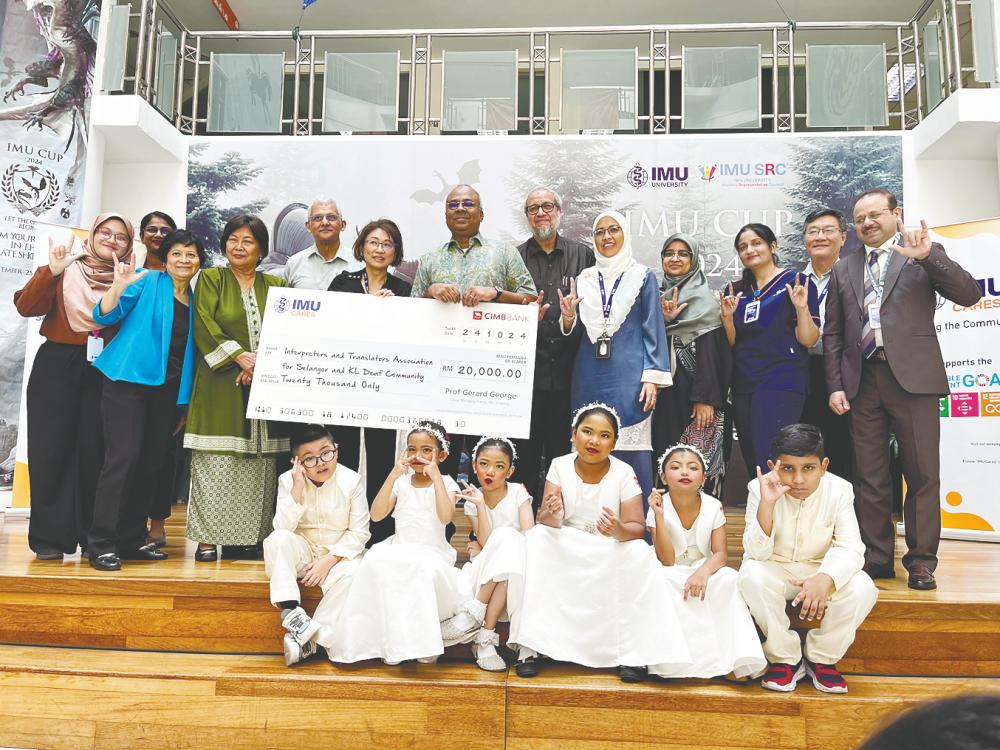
277,15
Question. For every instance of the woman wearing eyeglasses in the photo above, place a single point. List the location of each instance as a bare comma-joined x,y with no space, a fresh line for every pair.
693,409
153,227
234,459
771,318
623,359
64,392
379,245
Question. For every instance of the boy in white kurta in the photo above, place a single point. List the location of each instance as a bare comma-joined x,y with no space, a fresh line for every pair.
320,531
802,544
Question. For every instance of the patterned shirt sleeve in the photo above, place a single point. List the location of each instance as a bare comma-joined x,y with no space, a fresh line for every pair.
516,275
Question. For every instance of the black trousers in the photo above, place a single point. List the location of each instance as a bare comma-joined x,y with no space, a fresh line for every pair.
380,457
835,427
175,477
138,424
65,446
550,437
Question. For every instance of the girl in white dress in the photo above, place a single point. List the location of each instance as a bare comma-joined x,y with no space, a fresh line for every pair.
689,534
407,584
592,593
500,512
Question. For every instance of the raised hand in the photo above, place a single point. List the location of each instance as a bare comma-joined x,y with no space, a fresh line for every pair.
125,273
61,256
671,310
728,302
431,468
298,480
656,502
542,309
403,464
771,486
569,302
473,494
915,244
798,294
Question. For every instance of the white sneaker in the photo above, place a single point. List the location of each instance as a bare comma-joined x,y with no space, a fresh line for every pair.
295,651
300,625
459,629
428,659
485,650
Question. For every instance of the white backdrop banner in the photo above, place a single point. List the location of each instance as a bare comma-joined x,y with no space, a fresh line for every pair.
970,415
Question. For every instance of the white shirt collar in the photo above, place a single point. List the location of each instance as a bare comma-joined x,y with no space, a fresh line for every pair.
315,251
885,247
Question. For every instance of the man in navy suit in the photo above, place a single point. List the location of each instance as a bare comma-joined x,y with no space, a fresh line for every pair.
884,369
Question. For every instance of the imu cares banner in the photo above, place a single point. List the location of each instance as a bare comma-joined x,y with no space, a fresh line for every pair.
970,415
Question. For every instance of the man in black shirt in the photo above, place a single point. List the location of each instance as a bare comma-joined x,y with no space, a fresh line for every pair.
552,260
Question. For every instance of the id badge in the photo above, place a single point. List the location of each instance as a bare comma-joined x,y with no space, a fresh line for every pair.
752,312
603,347
95,345
875,316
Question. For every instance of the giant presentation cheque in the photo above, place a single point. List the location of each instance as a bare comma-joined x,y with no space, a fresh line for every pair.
338,358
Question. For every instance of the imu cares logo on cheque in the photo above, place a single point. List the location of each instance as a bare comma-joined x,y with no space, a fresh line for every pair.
307,308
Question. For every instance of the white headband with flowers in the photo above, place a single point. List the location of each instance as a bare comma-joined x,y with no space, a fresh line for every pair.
679,447
430,430
505,441
598,405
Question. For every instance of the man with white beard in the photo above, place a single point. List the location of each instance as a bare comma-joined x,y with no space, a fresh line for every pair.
553,262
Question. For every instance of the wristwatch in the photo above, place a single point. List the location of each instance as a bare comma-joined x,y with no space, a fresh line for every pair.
499,292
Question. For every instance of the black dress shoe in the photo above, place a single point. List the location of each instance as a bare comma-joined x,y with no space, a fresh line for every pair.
528,667
921,578
208,554
632,674
239,552
146,552
106,562
48,553
880,571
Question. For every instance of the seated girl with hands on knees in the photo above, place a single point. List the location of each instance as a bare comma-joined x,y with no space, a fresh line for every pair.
689,535
592,590
407,584
500,511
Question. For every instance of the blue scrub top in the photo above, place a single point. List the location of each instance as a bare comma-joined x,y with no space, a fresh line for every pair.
767,354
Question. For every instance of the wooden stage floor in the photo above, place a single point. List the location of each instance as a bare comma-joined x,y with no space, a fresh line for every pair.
182,654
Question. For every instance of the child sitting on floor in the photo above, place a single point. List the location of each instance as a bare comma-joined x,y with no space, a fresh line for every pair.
320,531
802,544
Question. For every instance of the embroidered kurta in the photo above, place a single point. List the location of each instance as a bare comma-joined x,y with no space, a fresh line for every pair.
226,324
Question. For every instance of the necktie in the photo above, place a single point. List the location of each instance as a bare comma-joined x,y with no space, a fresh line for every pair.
871,298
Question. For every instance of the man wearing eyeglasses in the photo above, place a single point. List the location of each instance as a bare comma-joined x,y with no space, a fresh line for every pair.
316,266
824,234
884,369
552,260
469,268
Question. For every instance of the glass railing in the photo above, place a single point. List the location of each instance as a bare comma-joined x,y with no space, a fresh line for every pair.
748,77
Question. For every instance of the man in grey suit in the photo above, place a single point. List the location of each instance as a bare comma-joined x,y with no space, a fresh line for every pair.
884,368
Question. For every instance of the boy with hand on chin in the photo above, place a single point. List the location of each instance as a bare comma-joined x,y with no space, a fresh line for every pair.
802,544
320,531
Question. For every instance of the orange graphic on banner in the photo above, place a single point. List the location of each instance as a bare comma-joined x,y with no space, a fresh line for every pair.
968,521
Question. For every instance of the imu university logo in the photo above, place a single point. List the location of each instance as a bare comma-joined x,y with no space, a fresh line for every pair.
29,189
637,176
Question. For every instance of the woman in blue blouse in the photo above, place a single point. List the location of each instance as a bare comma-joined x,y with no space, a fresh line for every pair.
623,359
771,318
148,369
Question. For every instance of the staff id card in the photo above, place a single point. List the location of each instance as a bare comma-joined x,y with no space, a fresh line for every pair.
875,316
752,312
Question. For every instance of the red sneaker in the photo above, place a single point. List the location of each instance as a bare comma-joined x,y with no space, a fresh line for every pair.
825,677
783,677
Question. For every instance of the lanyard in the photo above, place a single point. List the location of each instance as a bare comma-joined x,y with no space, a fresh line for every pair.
607,300
364,280
877,284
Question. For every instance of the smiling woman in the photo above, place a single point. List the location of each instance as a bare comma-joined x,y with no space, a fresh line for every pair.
147,369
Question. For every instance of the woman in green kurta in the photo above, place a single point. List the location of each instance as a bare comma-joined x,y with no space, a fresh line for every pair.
233,460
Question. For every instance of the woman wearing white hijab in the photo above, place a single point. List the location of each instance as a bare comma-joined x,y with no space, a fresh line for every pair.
623,358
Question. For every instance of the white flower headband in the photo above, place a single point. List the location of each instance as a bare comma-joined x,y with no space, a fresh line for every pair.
505,441
681,447
598,405
431,430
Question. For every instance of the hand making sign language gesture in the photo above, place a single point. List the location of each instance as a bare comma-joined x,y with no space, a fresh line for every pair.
671,310
125,276
798,294
916,245
61,256
568,304
728,301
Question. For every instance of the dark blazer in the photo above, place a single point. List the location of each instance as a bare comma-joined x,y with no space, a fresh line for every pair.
907,312
346,281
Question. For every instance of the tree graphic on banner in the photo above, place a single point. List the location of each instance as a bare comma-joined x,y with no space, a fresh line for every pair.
831,172
587,174
207,180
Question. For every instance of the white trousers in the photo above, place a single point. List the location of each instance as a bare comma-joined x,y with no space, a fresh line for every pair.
285,556
766,589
